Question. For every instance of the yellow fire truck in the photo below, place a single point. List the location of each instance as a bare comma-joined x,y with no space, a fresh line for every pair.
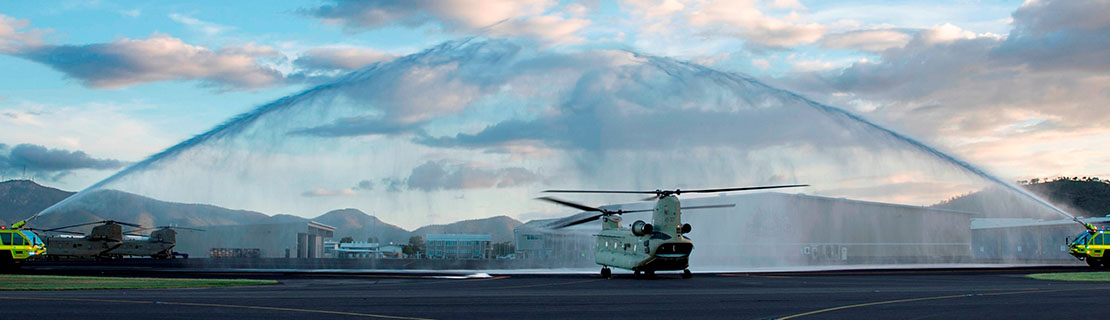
18,245
1092,246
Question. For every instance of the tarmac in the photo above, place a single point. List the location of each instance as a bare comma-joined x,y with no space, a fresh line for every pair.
892,293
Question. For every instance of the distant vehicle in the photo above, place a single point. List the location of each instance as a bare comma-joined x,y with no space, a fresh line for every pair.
661,245
17,246
1091,246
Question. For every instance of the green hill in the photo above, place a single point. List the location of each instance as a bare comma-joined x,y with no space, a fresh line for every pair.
1080,197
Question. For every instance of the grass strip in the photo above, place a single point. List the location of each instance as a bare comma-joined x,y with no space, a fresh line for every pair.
1072,276
39,282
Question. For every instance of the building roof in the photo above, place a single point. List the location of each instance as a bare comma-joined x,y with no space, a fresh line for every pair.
459,237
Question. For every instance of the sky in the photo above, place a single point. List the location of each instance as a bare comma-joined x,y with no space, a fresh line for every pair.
91,87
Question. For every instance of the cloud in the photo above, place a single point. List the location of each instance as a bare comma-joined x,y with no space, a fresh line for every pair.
967,90
159,57
339,58
329,193
497,17
12,40
129,62
1059,35
866,40
365,185
432,176
51,163
743,18
134,13
205,27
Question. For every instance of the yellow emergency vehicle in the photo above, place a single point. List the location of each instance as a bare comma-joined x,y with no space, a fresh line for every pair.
18,245
1092,246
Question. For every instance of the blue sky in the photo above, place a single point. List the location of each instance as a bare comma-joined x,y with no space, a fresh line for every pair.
1019,87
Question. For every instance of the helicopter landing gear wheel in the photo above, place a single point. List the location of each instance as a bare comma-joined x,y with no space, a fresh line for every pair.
636,274
606,273
686,274
649,274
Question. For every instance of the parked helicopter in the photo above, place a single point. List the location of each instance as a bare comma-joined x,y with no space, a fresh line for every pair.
661,245
103,238
159,244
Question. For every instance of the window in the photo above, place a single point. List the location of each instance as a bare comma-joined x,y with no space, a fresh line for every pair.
17,239
1098,239
6,238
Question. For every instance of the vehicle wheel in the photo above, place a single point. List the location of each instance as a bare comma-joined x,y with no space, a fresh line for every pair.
1094,262
605,272
686,274
649,274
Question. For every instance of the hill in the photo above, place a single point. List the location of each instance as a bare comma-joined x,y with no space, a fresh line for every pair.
361,226
20,199
499,227
1080,197
128,207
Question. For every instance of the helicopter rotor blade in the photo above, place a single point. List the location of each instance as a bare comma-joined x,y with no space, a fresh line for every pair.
572,204
658,193
72,226
741,188
574,220
123,223
183,228
58,231
709,206
601,191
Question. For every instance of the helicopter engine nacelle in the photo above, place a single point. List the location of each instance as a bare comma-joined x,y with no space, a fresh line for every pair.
641,228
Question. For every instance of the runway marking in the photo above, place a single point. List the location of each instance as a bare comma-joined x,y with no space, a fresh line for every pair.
192,304
933,298
753,276
546,284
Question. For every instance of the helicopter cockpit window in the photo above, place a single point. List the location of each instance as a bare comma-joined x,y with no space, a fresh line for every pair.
1098,239
17,239
6,238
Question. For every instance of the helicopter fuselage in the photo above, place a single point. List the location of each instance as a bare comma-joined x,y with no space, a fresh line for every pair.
664,248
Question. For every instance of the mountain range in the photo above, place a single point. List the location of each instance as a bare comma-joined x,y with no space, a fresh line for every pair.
20,199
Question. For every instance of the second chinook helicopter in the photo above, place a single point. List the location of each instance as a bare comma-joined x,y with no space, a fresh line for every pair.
659,246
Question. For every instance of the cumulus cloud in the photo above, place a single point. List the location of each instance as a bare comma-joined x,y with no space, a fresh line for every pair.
980,91
1059,35
498,17
53,163
205,27
329,193
159,57
746,20
13,37
339,58
433,175
867,40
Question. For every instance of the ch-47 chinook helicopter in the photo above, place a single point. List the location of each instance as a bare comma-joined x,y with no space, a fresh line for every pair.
661,245
159,244
104,238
